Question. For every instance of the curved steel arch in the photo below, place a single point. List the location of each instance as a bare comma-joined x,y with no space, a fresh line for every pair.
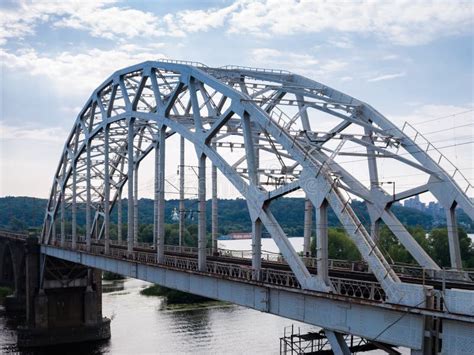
266,113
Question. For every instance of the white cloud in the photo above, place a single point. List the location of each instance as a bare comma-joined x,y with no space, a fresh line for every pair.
28,133
203,20
387,77
390,57
112,23
333,65
77,74
401,22
97,17
304,64
340,42
273,57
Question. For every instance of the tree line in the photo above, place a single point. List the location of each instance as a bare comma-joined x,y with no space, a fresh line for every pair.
20,213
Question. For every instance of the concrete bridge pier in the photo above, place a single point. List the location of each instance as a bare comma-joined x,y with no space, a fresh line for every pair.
62,300
12,274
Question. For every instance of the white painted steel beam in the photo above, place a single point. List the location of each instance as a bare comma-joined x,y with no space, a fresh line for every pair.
269,110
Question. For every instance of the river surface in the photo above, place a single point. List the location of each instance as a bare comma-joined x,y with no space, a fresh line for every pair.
144,325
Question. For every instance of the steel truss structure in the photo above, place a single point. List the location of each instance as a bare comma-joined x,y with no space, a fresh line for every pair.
278,121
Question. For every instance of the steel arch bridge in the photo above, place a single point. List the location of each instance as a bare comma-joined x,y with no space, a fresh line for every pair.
292,133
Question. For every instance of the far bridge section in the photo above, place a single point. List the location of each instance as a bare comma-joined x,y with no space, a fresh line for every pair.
267,134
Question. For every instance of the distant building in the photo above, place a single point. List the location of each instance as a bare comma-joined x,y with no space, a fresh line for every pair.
415,203
435,209
236,236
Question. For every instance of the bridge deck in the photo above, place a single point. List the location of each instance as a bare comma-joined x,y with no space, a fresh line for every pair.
230,278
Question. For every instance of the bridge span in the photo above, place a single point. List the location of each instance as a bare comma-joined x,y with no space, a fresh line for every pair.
230,277
269,134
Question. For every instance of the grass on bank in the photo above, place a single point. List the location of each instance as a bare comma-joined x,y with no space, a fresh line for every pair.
174,296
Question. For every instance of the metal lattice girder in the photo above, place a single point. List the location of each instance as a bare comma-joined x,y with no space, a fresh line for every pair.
267,115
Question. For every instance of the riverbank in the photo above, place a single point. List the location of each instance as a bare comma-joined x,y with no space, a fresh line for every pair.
174,297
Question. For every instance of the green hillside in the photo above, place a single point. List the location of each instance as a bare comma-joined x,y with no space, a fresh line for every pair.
19,213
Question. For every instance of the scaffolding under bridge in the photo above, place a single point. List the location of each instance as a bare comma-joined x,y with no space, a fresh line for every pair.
316,342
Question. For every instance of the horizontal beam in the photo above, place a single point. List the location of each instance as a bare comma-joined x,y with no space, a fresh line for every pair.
402,328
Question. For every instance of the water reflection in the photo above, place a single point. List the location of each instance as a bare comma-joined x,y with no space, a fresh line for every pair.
112,286
144,325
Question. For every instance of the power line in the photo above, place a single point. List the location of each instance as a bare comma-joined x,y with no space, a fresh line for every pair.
450,128
443,117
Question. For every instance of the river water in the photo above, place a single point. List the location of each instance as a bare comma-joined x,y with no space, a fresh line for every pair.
144,325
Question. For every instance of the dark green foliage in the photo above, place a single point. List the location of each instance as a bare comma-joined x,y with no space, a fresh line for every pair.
340,246
439,248
394,251
19,213
174,296
106,275
4,292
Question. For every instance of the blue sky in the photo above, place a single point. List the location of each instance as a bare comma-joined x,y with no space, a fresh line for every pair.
412,60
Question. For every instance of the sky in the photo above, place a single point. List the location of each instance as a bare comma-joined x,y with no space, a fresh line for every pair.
411,60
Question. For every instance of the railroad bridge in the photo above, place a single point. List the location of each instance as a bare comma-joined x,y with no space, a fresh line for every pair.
269,134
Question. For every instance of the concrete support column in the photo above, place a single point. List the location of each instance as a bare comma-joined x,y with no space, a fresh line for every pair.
453,238
214,227
308,226
32,274
41,310
106,192
130,174
60,315
88,197
160,194
257,250
90,311
181,192
202,214
322,241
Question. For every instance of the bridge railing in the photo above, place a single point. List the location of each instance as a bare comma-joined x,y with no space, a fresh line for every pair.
461,180
405,270
353,288
13,235
257,70
185,62
360,289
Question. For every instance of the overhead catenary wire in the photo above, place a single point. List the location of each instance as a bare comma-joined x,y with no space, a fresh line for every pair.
444,117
